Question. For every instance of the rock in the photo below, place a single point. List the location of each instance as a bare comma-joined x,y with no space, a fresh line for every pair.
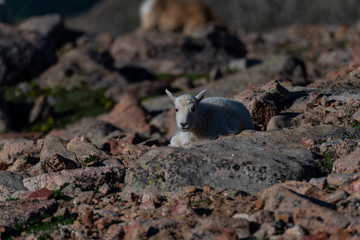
128,114
168,52
50,26
42,194
77,67
57,163
221,227
84,198
313,218
274,196
336,197
87,178
97,131
245,162
10,183
54,146
28,150
349,163
83,150
353,186
120,144
36,55
338,179
181,207
105,189
318,182
19,212
264,102
294,233
165,122
267,230
279,122
356,116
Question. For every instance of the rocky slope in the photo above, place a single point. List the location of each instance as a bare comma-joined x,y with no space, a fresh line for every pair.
99,166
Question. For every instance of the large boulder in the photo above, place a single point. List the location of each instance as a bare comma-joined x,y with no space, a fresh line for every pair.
23,55
78,67
250,161
177,54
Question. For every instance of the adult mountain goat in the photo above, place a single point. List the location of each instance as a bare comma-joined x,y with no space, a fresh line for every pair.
174,15
207,118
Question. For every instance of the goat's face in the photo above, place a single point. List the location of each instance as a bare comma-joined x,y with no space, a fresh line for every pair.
186,108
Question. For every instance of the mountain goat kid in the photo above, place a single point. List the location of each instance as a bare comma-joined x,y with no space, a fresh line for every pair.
208,118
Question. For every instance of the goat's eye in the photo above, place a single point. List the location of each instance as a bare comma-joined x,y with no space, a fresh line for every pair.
192,109
176,110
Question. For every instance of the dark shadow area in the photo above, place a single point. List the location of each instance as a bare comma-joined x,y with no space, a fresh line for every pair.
26,8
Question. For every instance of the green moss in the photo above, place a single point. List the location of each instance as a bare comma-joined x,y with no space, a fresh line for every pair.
40,227
331,188
12,199
58,192
198,202
92,158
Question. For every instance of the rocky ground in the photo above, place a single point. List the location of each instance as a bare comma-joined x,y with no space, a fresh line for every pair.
86,124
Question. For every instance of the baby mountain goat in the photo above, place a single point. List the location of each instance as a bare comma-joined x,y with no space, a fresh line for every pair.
208,118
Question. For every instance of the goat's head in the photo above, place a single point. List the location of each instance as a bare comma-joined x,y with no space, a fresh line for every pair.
186,108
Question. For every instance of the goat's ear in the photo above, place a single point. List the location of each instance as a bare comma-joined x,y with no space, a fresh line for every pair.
200,96
171,96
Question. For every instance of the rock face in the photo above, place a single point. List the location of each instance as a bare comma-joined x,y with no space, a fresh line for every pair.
176,53
249,163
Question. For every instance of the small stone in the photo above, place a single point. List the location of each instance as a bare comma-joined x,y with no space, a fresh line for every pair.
324,101
84,197
356,116
58,163
206,189
284,216
353,187
338,179
190,189
147,205
87,216
308,142
42,194
105,189
318,182
181,207
336,197
295,233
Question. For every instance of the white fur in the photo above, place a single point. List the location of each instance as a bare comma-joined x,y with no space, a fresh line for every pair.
208,118
146,7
